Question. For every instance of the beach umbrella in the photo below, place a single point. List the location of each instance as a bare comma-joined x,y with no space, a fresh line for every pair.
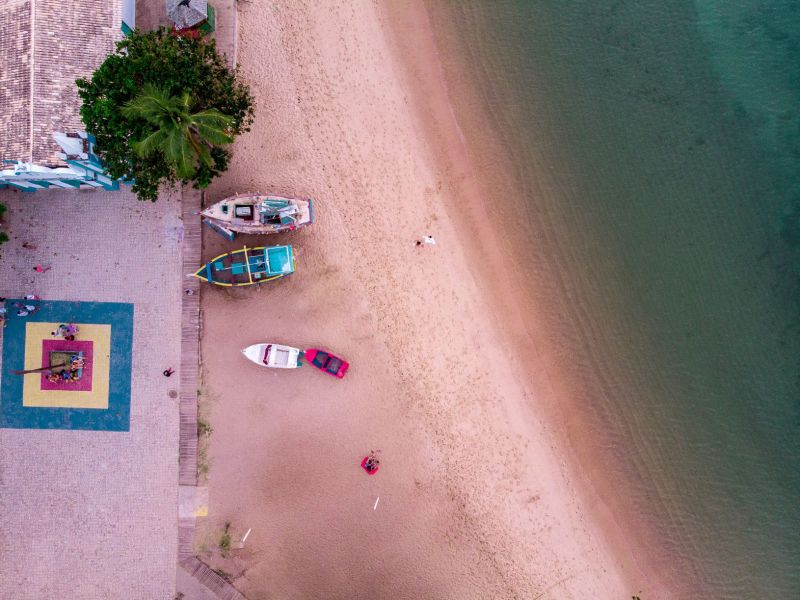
187,13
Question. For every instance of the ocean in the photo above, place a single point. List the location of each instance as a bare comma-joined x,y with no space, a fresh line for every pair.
651,153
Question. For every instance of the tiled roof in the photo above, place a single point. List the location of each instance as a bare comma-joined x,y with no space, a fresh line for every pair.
44,47
15,79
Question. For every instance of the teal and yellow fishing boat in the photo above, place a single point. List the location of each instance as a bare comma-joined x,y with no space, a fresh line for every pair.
248,266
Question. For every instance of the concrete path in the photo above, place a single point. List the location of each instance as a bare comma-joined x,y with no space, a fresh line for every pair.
92,514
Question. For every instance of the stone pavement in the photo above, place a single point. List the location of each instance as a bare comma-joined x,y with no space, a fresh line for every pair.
93,514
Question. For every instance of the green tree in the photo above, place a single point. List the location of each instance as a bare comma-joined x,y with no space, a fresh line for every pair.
178,67
3,234
182,137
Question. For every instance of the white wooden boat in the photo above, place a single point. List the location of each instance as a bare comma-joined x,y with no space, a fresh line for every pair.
257,213
274,356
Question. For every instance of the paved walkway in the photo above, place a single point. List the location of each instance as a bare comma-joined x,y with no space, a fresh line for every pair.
194,578
92,514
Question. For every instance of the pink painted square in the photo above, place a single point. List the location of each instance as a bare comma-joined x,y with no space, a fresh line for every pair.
84,384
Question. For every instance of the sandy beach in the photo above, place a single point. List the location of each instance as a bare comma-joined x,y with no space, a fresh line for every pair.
479,496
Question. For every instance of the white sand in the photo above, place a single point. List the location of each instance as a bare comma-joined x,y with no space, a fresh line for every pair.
476,500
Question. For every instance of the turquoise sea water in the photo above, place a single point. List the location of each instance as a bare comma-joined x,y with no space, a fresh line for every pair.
655,146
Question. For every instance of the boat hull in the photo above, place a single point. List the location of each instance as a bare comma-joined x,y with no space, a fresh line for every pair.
239,214
248,266
273,356
326,362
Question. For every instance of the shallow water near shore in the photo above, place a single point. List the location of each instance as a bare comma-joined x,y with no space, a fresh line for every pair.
654,151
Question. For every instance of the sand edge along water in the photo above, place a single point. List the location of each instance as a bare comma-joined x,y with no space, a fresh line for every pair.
477,496
524,301
650,198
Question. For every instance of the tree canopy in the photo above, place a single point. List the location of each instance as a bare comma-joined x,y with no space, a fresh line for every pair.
182,137
188,74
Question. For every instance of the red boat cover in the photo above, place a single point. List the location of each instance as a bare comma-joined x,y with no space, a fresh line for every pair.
364,466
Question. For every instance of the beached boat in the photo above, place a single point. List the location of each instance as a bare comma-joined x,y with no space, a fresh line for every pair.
257,213
275,356
327,362
248,266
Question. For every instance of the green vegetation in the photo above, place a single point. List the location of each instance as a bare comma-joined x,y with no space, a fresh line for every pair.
224,574
162,108
225,542
204,431
204,428
3,234
180,136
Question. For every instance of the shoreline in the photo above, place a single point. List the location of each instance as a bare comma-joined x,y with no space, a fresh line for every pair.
420,53
477,497
519,312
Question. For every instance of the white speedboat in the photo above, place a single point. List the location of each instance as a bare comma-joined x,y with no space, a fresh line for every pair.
274,356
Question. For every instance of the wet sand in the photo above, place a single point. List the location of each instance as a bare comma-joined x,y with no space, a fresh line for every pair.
478,498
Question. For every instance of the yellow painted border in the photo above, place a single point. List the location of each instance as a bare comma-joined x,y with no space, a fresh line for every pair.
33,395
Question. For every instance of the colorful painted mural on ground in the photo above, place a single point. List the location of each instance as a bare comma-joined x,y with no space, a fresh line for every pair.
53,380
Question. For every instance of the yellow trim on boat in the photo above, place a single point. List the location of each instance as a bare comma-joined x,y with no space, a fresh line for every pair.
222,255
247,264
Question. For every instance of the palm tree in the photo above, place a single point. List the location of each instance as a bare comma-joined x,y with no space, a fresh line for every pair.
181,136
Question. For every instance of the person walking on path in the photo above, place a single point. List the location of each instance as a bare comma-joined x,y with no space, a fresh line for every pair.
168,372
426,240
41,269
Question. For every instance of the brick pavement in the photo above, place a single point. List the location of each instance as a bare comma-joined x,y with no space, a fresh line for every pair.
92,514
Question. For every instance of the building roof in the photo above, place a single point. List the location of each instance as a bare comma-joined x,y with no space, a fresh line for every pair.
44,47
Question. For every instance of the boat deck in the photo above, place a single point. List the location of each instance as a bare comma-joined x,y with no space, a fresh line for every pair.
248,266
